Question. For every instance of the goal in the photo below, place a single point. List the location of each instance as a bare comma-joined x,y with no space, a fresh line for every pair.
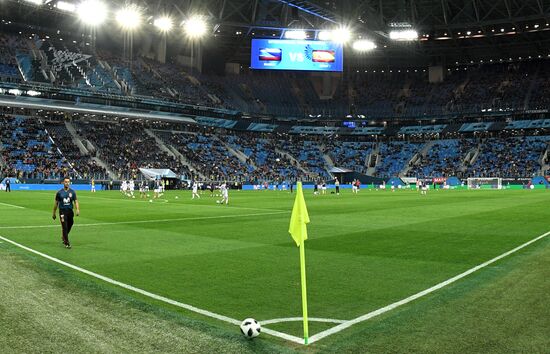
485,183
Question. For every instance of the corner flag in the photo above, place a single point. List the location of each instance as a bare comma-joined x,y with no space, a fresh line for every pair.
299,218
298,231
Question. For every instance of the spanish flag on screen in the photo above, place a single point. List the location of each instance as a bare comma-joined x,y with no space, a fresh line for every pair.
299,217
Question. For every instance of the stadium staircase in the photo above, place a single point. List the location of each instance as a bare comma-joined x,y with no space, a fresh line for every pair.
76,139
372,160
236,152
417,157
182,158
545,158
85,145
102,163
162,146
329,164
293,159
470,157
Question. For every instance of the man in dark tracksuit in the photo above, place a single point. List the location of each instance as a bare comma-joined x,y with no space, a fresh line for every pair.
8,185
64,199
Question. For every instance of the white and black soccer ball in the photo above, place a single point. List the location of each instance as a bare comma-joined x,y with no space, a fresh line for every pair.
250,328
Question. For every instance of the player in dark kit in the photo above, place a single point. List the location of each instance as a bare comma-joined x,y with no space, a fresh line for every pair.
64,199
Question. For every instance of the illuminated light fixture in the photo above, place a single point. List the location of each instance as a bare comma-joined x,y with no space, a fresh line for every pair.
405,35
340,35
33,93
15,92
66,6
363,45
164,24
129,17
36,2
92,12
325,36
468,33
195,27
295,34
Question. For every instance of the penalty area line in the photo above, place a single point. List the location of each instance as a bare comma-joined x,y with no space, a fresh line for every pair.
390,307
152,295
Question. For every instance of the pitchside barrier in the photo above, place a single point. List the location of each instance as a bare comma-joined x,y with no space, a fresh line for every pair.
50,187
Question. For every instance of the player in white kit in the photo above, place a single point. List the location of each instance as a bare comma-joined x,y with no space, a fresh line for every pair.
195,191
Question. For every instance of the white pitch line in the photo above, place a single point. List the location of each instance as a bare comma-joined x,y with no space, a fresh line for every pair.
13,206
390,307
298,319
144,221
154,296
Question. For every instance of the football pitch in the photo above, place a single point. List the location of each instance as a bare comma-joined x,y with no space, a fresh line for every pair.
220,264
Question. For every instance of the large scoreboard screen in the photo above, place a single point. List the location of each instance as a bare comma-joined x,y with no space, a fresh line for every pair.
287,54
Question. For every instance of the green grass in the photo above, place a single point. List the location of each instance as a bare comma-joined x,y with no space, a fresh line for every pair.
364,252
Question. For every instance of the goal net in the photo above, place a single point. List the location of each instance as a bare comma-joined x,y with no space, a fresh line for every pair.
485,183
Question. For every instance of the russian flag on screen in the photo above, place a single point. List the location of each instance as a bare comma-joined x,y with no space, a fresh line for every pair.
324,56
270,54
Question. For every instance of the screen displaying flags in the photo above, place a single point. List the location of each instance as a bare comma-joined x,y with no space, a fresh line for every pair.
323,56
287,54
270,54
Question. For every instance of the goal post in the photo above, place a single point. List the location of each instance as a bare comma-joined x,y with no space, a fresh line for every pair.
485,183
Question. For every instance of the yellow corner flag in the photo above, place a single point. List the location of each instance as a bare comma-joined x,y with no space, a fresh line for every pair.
298,231
299,218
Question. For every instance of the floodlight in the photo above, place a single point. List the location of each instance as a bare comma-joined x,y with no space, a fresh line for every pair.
129,17
363,45
36,2
405,35
33,93
340,35
195,27
295,34
66,6
164,24
92,12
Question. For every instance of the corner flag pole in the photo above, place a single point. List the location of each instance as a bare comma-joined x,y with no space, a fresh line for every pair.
298,231
304,290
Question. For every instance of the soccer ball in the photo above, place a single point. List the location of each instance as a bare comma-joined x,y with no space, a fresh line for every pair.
218,201
177,197
150,200
133,197
250,328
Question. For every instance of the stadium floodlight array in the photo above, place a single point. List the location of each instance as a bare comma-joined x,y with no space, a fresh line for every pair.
404,35
484,183
66,6
129,17
364,45
340,35
295,34
92,12
164,24
195,27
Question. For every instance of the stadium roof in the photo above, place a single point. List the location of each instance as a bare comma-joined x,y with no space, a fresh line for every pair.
449,31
